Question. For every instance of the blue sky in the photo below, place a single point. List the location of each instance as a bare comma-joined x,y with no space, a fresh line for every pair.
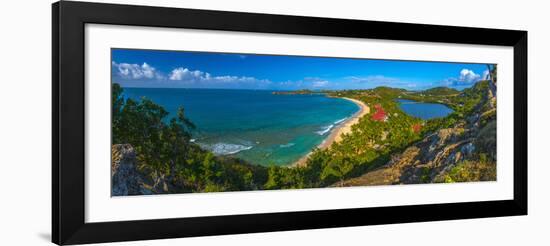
174,69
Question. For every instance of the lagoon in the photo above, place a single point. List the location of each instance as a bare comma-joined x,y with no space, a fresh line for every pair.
423,110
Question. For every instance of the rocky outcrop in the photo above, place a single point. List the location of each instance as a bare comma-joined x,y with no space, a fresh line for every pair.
421,162
125,178
438,153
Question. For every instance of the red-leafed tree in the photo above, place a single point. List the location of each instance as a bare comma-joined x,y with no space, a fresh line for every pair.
380,114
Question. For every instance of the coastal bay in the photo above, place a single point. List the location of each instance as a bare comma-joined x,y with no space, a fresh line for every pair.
260,126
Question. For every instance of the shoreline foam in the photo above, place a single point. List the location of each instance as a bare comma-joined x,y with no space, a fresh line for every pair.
338,131
225,148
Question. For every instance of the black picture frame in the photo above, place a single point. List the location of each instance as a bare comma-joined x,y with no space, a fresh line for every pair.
69,19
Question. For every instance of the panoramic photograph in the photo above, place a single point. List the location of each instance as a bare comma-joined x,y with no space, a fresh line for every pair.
193,122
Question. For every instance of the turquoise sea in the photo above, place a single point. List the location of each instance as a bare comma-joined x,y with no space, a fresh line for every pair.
254,125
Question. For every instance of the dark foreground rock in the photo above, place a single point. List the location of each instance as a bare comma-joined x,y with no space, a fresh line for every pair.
125,179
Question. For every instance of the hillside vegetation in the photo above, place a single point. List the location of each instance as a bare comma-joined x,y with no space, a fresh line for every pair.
441,91
153,154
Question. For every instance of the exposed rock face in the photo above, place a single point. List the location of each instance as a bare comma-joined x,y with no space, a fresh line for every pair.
422,162
438,153
125,179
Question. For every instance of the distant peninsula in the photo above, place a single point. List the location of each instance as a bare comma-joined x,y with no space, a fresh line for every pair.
296,92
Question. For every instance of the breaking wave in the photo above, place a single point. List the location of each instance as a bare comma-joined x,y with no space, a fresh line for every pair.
340,121
325,130
226,148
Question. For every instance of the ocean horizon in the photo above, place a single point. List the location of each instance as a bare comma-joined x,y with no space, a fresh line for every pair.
254,125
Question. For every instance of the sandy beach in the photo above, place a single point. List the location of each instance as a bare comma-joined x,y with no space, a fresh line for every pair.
338,132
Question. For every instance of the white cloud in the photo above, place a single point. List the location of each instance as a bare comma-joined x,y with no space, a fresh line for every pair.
148,71
465,78
183,77
467,75
135,71
314,82
186,74
318,84
196,78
